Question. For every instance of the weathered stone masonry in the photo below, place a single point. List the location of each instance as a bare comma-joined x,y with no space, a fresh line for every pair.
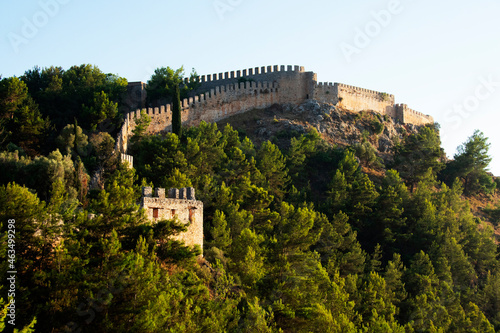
180,203
226,94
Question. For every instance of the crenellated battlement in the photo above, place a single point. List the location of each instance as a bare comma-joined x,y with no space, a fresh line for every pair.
365,91
222,95
249,72
201,99
407,115
185,193
358,99
289,77
127,158
216,103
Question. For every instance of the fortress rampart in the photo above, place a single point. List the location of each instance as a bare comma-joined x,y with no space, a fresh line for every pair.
296,84
226,94
354,98
410,116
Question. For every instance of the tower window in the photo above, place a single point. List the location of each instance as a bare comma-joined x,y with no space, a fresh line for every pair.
191,214
155,213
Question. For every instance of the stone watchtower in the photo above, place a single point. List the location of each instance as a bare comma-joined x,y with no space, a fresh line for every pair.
180,203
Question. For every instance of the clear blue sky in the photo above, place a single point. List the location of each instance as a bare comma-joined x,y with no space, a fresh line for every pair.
440,58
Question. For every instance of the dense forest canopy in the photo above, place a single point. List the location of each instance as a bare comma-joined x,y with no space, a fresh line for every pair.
296,239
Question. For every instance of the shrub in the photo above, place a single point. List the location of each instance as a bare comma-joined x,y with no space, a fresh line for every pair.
384,96
367,154
377,126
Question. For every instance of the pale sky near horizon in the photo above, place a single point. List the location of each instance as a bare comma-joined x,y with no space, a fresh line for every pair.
440,58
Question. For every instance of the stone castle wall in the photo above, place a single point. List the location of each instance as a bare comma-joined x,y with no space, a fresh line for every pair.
296,84
326,92
217,104
136,95
410,116
226,94
177,203
359,99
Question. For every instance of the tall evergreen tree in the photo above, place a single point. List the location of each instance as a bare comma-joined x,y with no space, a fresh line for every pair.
176,112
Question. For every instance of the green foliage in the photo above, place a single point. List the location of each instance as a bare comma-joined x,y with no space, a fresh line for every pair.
40,173
103,157
272,165
367,154
490,298
245,79
115,206
82,92
248,260
157,157
141,126
417,154
221,234
351,191
377,126
494,214
4,319
339,248
389,223
176,112
301,150
21,122
470,166
72,140
100,109
385,96
164,81
257,319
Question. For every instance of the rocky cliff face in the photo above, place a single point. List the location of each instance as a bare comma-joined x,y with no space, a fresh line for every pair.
337,126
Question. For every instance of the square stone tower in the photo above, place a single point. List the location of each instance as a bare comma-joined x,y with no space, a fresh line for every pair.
180,203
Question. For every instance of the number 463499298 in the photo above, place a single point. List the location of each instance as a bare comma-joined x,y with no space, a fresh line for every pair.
11,234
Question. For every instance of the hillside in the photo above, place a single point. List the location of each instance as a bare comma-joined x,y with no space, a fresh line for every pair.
308,217
336,125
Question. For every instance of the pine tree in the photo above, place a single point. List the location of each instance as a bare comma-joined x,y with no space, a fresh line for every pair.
220,232
352,192
389,224
418,153
272,166
470,164
247,259
176,112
